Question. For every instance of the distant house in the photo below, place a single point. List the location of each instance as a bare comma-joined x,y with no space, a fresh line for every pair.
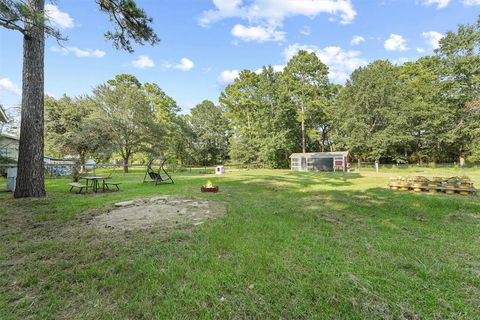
9,146
58,167
319,161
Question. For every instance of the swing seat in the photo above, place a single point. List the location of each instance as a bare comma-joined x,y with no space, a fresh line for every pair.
157,176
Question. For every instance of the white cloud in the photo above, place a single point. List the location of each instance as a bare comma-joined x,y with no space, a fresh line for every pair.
9,86
356,40
80,53
341,63
143,62
432,38
185,64
228,76
444,3
266,16
57,17
277,10
439,3
420,50
258,33
306,31
395,43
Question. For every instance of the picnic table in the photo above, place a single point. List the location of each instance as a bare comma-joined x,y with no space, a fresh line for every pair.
92,182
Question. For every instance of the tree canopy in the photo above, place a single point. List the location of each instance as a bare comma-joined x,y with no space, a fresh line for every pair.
416,112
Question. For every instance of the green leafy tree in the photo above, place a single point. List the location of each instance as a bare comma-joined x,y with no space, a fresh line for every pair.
368,116
126,113
71,128
460,53
181,144
426,112
164,111
130,23
305,82
321,121
276,127
239,101
211,132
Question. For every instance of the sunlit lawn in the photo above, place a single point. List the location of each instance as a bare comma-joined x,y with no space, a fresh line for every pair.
292,245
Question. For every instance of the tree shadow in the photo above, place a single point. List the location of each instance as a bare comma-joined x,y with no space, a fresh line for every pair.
297,180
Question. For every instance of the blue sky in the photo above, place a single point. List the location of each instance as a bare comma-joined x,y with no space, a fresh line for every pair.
205,43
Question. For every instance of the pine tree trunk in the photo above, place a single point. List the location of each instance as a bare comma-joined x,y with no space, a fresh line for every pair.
30,178
303,127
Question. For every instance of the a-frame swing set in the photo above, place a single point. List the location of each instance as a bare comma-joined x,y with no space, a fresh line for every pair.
159,176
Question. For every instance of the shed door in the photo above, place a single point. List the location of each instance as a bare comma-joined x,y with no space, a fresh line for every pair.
304,164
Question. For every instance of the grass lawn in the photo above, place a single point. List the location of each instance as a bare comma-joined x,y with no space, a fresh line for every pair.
291,246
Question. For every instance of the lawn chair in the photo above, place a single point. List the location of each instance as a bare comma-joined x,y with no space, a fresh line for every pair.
159,176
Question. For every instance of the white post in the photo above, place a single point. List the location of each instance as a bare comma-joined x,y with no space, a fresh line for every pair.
376,165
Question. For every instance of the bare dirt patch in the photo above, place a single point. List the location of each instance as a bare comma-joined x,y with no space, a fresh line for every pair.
163,211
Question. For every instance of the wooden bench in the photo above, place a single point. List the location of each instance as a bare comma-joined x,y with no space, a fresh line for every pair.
79,186
116,184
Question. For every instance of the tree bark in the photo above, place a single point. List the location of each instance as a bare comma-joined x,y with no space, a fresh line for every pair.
303,126
83,168
125,164
30,178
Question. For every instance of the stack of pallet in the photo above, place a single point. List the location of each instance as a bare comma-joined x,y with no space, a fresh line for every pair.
461,185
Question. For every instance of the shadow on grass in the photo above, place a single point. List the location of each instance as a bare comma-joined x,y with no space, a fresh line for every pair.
307,251
296,180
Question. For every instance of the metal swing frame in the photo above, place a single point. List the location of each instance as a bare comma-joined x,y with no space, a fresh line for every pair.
156,176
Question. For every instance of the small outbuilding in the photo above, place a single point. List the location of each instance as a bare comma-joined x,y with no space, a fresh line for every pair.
319,161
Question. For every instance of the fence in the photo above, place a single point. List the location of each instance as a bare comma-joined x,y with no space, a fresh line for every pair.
53,170
442,169
403,166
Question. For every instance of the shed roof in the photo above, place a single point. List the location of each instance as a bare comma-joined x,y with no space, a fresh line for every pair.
320,154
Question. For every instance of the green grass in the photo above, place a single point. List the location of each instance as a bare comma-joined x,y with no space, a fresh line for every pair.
292,246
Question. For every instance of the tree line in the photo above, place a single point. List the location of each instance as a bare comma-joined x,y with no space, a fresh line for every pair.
418,112
422,111
297,109
126,120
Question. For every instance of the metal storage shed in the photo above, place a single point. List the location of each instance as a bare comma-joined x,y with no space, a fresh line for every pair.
319,161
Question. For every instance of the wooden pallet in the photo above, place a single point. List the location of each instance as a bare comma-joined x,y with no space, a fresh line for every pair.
470,190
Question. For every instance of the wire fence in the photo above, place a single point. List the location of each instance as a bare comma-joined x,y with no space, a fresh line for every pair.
67,169
404,166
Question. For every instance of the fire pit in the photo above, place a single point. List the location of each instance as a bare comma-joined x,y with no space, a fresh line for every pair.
209,187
